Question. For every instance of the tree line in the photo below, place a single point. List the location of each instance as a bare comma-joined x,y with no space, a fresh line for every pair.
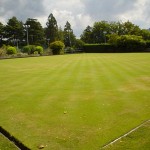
16,33
31,32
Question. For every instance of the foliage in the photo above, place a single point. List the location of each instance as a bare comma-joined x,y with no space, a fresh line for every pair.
11,50
14,31
130,43
35,32
39,49
29,49
99,48
1,33
87,35
69,37
79,44
57,47
3,50
51,29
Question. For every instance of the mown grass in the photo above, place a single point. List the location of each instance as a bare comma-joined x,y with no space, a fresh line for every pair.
5,144
137,140
80,101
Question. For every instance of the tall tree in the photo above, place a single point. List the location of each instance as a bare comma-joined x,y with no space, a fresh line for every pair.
52,29
87,35
1,33
100,29
60,34
69,37
14,31
35,32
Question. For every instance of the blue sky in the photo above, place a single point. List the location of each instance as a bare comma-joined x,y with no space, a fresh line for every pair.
79,13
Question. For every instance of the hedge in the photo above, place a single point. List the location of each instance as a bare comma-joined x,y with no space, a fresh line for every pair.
99,48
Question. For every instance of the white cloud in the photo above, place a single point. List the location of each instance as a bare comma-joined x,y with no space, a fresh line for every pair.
80,13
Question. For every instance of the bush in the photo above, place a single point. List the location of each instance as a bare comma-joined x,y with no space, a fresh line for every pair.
29,49
39,49
11,50
57,47
131,43
79,44
26,49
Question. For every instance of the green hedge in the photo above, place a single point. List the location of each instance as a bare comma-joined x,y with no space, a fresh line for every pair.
99,48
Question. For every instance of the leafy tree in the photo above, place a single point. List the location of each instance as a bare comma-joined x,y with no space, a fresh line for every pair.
100,30
1,33
60,34
35,32
51,29
87,35
69,37
131,42
14,31
79,44
57,47
130,29
145,34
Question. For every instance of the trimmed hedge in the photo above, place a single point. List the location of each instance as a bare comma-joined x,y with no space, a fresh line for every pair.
99,48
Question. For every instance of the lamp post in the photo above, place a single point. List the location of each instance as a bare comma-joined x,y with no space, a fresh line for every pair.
26,28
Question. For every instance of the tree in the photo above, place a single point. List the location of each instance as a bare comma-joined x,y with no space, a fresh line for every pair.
35,32
87,35
52,29
1,33
69,37
100,30
14,31
60,34
130,29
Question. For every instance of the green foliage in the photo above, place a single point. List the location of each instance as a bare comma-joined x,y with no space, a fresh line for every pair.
130,43
51,29
57,47
69,37
39,49
87,35
11,50
148,43
35,31
99,48
14,31
29,49
79,43
3,50
26,49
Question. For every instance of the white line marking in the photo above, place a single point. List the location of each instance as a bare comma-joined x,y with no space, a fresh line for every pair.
125,134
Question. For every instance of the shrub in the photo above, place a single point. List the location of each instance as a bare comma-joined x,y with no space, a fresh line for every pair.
29,49
57,47
131,43
11,50
39,49
26,49
79,43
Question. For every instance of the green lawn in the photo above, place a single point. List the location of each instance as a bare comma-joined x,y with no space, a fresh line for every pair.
77,102
137,140
5,144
